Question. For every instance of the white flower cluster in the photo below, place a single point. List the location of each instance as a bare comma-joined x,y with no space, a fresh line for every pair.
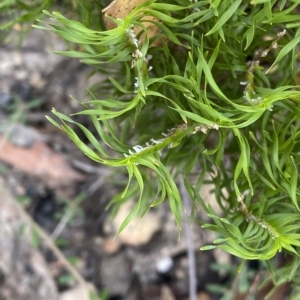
136,84
252,101
205,128
249,88
136,55
132,36
147,59
281,33
138,148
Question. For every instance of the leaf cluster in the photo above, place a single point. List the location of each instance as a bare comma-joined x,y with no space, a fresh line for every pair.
215,91
18,14
15,12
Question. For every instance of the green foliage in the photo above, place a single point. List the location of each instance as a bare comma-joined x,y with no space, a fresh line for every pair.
215,91
66,279
15,13
71,211
243,281
18,14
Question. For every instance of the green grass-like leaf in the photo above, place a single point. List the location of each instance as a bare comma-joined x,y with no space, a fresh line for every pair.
210,93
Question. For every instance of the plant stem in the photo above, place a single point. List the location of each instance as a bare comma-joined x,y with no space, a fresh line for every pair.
190,242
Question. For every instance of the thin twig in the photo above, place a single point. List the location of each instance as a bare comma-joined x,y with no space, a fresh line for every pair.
68,215
61,225
87,168
190,243
85,289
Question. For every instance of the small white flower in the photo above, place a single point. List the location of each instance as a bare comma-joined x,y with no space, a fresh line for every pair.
204,130
264,53
132,37
155,141
214,126
138,148
136,85
148,57
137,54
281,34
240,198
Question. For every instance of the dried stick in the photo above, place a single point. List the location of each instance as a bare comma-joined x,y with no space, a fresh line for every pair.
190,243
85,288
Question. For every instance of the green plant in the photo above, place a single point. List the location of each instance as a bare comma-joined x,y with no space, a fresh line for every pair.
16,13
215,90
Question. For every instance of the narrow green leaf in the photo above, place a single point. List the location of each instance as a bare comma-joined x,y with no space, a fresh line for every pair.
226,16
285,50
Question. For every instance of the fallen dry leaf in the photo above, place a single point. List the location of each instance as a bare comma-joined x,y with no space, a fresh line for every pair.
140,230
119,9
39,160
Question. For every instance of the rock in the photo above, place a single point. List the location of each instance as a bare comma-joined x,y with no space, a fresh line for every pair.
111,245
21,135
140,230
115,274
164,264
